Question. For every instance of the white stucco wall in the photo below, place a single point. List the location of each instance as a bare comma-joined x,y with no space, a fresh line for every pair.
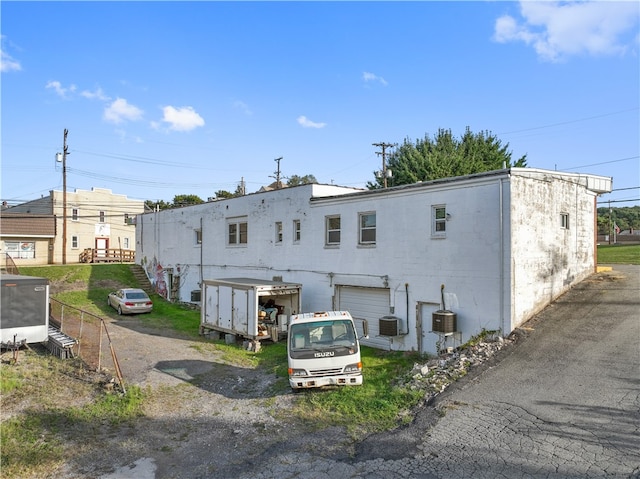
501,259
550,258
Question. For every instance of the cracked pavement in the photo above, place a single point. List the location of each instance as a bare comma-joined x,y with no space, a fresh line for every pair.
563,403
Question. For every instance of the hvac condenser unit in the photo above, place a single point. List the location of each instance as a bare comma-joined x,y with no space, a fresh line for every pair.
444,322
390,326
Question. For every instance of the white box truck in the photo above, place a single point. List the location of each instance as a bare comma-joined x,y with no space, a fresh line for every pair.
248,308
323,350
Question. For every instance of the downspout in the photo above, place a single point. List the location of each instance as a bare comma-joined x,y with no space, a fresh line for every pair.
502,242
201,254
406,288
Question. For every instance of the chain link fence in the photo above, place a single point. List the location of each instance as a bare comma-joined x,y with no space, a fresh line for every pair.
92,343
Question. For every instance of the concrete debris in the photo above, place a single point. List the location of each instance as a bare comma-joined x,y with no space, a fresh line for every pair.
438,373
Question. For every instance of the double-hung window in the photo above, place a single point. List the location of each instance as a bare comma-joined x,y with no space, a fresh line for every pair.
438,221
278,232
564,221
367,222
296,231
332,229
237,231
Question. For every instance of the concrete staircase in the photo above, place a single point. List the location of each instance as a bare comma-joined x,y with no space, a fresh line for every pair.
141,277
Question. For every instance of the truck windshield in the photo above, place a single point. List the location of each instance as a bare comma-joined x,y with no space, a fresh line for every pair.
322,335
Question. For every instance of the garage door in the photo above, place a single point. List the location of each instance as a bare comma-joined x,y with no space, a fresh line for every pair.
366,303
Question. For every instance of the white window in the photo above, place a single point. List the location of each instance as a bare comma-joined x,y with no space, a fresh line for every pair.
564,221
237,232
74,214
101,220
278,231
198,236
438,221
125,243
296,231
74,242
20,249
332,230
367,222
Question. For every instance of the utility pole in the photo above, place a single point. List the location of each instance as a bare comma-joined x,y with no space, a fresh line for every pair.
64,197
384,147
277,173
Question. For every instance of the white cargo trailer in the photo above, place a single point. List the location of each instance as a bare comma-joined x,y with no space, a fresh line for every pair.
249,308
24,311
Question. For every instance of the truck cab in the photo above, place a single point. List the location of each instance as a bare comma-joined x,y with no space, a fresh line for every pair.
323,350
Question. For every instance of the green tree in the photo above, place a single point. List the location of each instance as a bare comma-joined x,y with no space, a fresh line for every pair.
626,218
186,200
223,194
296,180
445,156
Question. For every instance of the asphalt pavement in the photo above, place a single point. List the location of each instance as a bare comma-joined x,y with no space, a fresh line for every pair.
562,402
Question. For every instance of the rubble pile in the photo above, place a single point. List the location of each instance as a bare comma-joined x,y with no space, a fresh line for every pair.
438,373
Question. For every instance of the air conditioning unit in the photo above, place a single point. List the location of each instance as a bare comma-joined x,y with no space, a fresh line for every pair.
443,321
196,296
390,326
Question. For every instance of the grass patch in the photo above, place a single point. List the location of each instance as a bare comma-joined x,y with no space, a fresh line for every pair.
377,405
619,254
34,438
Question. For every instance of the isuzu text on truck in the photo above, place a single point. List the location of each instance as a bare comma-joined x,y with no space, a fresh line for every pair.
323,350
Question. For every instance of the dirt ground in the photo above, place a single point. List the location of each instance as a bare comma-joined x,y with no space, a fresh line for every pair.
202,416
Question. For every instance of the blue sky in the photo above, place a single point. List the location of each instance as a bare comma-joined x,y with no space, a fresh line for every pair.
169,98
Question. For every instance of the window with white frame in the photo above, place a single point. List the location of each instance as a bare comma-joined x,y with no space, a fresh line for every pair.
438,221
74,214
198,236
296,231
278,231
332,227
564,221
20,249
74,242
237,230
367,222
102,216
125,243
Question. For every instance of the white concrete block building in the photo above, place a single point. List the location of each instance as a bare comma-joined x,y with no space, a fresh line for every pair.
496,247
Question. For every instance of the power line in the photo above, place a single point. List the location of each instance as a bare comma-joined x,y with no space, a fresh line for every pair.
569,121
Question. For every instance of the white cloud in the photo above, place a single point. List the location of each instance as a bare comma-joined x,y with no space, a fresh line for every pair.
7,62
59,89
98,94
242,106
369,77
557,30
306,123
120,110
182,119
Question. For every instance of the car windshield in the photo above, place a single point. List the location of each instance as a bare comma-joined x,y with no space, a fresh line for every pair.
137,295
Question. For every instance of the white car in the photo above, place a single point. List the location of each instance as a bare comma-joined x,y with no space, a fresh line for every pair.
130,301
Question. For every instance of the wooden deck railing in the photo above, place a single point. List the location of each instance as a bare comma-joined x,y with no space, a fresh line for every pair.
115,255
